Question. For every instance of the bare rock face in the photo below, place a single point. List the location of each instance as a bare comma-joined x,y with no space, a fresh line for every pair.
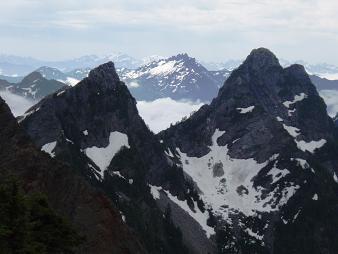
95,127
253,171
89,210
269,129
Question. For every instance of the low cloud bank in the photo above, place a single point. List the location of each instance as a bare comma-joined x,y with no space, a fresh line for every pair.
17,104
160,113
331,99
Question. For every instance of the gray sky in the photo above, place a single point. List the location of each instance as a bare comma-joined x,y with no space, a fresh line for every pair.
211,30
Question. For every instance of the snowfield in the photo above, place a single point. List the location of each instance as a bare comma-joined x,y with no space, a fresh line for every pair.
226,183
102,156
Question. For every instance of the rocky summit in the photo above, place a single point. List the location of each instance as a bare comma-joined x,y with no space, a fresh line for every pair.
95,128
264,156
255,171
88,209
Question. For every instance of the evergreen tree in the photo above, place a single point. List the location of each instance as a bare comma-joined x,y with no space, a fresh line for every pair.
28,224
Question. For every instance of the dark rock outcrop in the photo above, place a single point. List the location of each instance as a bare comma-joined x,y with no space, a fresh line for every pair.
88,209
269,130
95,127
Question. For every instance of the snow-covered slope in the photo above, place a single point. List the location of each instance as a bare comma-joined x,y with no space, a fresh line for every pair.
177,77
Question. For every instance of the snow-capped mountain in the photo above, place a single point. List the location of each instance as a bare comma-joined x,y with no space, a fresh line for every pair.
252,172
79,74
33,86
323,70
21,66
177,77
152,58
264,156
52,73
95,128
69,78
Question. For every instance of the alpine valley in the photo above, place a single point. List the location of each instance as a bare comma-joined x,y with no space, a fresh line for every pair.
254,171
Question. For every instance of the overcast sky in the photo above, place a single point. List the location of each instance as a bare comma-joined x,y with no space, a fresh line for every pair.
207,29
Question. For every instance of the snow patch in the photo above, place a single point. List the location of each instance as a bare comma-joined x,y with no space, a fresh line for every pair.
301,144
123,217
335,178
310,146
72,81
68,140
169,153
293,131
296,215
301,162
59,93
117,173
102,156
246,110
48,148
296,99
277,174
155,191
253,234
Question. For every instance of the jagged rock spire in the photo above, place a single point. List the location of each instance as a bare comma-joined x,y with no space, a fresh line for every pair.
105,75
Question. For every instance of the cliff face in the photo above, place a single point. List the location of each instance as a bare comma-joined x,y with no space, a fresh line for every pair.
95,127
88,209
264,155
253,171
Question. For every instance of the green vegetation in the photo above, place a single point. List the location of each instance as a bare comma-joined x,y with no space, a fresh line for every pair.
29,226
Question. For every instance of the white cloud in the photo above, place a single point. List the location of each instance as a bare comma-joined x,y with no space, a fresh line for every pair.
313,15
331,99
159,114
16,103
133,85
207,28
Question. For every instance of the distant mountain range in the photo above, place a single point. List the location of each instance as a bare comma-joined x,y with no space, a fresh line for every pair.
177,77
34,86
20,66
254,171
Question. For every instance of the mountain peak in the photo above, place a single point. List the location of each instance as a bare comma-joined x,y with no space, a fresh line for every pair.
32,77
261,58
104,73
182,57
